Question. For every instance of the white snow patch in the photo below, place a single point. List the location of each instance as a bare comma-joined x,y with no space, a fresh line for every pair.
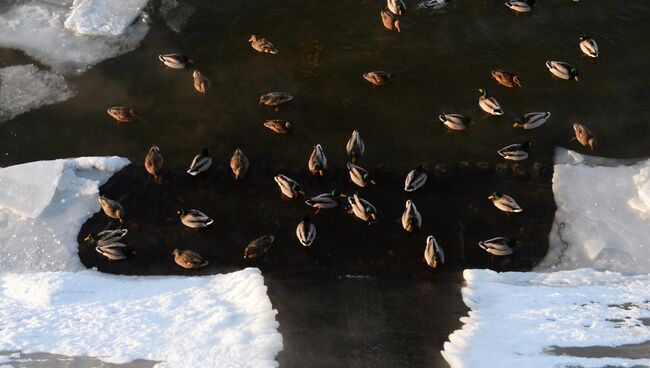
25,87
42,207
103,17
214,321
516,317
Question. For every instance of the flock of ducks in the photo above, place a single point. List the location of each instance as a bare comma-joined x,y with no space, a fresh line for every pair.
108,243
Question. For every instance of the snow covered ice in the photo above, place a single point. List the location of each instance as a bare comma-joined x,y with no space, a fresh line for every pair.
103,18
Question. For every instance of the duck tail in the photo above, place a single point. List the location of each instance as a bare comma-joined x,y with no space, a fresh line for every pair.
193,172
498,112
209,222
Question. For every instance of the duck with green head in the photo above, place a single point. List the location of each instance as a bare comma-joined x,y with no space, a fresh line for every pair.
489,104
325,200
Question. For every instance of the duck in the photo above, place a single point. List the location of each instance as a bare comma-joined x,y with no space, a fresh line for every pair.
355,147
275,99
194,219
411,218
562,70
111,208
520,6
390,21
432,4
415,179
188,259
489,104
107,237
455,121
262,45
306,231
359,175
115,251
153,162
588,46
362,209
325,200
176,61
317,161
239,164
200,163
201,83
433,254
504,202
397,7
515,152
585,136
378,77
279,126
258,247
289,187
508,79
498,246
532,120
123,114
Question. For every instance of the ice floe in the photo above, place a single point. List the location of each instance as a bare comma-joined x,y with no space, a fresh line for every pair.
103,18
211,321
25,87
518,319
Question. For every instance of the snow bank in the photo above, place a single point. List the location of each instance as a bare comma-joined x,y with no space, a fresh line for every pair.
25,87
516,317
215,321
603,215
42,207
103,17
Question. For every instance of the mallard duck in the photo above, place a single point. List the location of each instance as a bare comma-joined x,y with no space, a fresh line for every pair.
433,254
306,231
508,79
378,78
188,259
432,4
562,70
415,179
504,202
275,99
585,136
123,114
115,251
201,83
262,45
153,162
176,61
239,164
520,6
362,209
194,219
111,208
455,121
200,163
411,218
107,237
289,187
397,7
515,152
325,200
317,161
532,120
359,175
390,21
279,126
489,104
498,246
258,247
355,147
588,46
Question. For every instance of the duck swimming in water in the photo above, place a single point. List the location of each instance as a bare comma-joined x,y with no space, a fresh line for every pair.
378,77
258,247
362,209
355,147
306,231
390,21
562,70
262,45
201,83
194,219
317,161
504,202
585,136
188,259
433,254
498,246
176,61
508,79
115,251
411,218
489,104
397,7
359,175
415,179
200,163
455,121
325,200
515,152
532,120
111,208
275,99
123,114
239,164
153,163
520,6
588,46
289,187
107,237
279,126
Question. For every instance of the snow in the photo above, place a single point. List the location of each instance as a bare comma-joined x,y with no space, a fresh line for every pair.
103,17
222,320
516,318
42,207
25,87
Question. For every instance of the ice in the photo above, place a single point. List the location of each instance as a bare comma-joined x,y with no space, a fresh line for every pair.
603,215
103,17
211,321
175,13
42,207
517,318
25,87
38,29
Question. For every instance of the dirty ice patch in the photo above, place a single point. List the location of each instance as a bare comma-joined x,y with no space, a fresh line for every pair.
42,207
517,319
210,321
25,87
603,215
103,17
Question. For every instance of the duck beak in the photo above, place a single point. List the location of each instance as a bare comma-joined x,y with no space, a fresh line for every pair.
320,172
372,182
515,125
374,216
491,197
301,192
343,195
577,78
